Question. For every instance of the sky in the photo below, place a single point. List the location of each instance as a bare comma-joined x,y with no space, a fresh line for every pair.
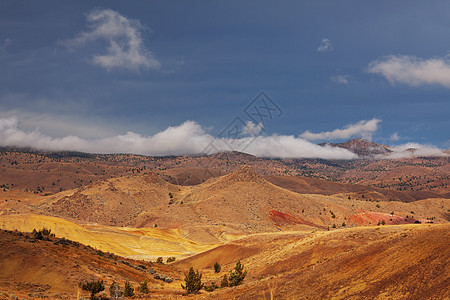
183,77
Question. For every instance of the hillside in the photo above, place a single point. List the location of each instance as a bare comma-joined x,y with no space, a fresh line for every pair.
225,207
397,262
53,268
48,173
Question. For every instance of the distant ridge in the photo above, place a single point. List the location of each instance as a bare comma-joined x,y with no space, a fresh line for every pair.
362,147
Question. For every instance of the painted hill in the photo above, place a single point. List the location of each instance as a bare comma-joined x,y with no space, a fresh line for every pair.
400,262
222,208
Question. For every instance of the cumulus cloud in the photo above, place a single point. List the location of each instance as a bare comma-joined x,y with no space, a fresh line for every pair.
364,129
325,46
126,47
340,79
412,70
413,149
252,129
187,138
394,137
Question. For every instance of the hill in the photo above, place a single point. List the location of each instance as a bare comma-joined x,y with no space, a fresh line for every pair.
54,268
225,207
399,262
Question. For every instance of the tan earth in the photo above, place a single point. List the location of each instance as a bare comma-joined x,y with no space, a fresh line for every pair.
298,237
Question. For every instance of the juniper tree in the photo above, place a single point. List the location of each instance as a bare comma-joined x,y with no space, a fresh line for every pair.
237,275
193,281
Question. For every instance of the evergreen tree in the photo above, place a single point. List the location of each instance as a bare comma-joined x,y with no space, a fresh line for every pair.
237,275
217,267
224,282
193,282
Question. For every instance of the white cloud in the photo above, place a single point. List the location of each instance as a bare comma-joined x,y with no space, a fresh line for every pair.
394,137
187,138
412,150
325,46
191,138
251,129
412,70
288,146
126,48
364,129
340,79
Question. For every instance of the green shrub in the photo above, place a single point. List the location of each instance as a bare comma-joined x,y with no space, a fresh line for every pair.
39,235
217,267
237,275
224,282
129,290
93,286
143,288
211,288
193,282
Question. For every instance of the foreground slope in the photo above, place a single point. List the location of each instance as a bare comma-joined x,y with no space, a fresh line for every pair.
53,268
384,262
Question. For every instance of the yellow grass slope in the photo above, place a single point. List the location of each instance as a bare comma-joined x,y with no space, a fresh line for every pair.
137,243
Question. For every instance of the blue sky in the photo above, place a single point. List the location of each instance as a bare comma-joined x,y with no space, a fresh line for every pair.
85,72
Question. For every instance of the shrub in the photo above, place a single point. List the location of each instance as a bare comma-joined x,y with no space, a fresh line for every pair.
211,288
237,275
170,259
93,286
224,282
343,224
193,282
159,260
143,288
115,291
129,290
383,222
217,267
39,235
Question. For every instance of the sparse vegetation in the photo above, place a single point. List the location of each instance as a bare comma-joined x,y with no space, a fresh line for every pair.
170,259
224,282
93,286
115,291
160,260
211,288
128,290
143,287
44,232
193,282
217,267
237,275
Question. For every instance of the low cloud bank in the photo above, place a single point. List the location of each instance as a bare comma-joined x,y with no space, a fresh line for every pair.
363,129
189,138
412,149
